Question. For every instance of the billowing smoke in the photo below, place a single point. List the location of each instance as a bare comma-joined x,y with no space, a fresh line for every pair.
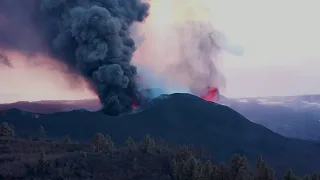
91,36
94,36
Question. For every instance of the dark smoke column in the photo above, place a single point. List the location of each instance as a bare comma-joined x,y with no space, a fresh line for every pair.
93,36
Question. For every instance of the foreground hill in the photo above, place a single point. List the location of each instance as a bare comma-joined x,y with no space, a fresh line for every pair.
140,160
182,119
37,160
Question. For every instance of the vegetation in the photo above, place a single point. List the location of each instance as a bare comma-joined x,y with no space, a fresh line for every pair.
6,130
67,140
42,132
178,119
146,159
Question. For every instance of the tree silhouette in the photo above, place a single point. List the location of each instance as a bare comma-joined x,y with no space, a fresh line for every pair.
148,141
222,172
6,130
42,163
263,172
290,176
192,168
109,143
42,132
238,168
99,142
130,143
67,140
207,171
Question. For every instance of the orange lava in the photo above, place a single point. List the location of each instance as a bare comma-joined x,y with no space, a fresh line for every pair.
134,106
212,94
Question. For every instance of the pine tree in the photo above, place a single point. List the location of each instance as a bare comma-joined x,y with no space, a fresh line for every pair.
99,142
6,130
222,172
239,168
263,172
148,141
130,143
42,132
183,153
67,140
42,163
290,176
109,143
192,169
207,171
177,169
146,144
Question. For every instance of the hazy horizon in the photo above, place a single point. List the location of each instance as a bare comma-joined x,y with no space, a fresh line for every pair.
280,40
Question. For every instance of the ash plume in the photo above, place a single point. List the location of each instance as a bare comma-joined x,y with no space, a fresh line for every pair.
91,36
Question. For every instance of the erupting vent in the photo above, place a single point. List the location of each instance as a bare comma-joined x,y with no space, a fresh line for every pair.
212,94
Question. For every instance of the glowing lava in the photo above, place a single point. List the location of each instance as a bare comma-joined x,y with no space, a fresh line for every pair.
211,95
134,106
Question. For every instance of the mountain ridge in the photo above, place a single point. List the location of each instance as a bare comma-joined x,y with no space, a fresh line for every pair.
182,119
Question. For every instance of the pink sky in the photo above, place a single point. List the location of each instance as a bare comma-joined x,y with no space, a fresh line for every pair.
45,81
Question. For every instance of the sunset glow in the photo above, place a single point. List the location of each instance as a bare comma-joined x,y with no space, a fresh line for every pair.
39,78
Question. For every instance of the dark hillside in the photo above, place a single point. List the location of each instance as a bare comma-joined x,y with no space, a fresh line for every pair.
182,119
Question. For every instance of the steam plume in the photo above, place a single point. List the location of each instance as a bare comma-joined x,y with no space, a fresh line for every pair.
186,54
182,48
198,50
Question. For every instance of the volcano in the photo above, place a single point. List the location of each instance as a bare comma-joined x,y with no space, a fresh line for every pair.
182,119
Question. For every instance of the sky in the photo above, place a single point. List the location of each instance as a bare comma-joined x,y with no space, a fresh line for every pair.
44,81
280,39
281,46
